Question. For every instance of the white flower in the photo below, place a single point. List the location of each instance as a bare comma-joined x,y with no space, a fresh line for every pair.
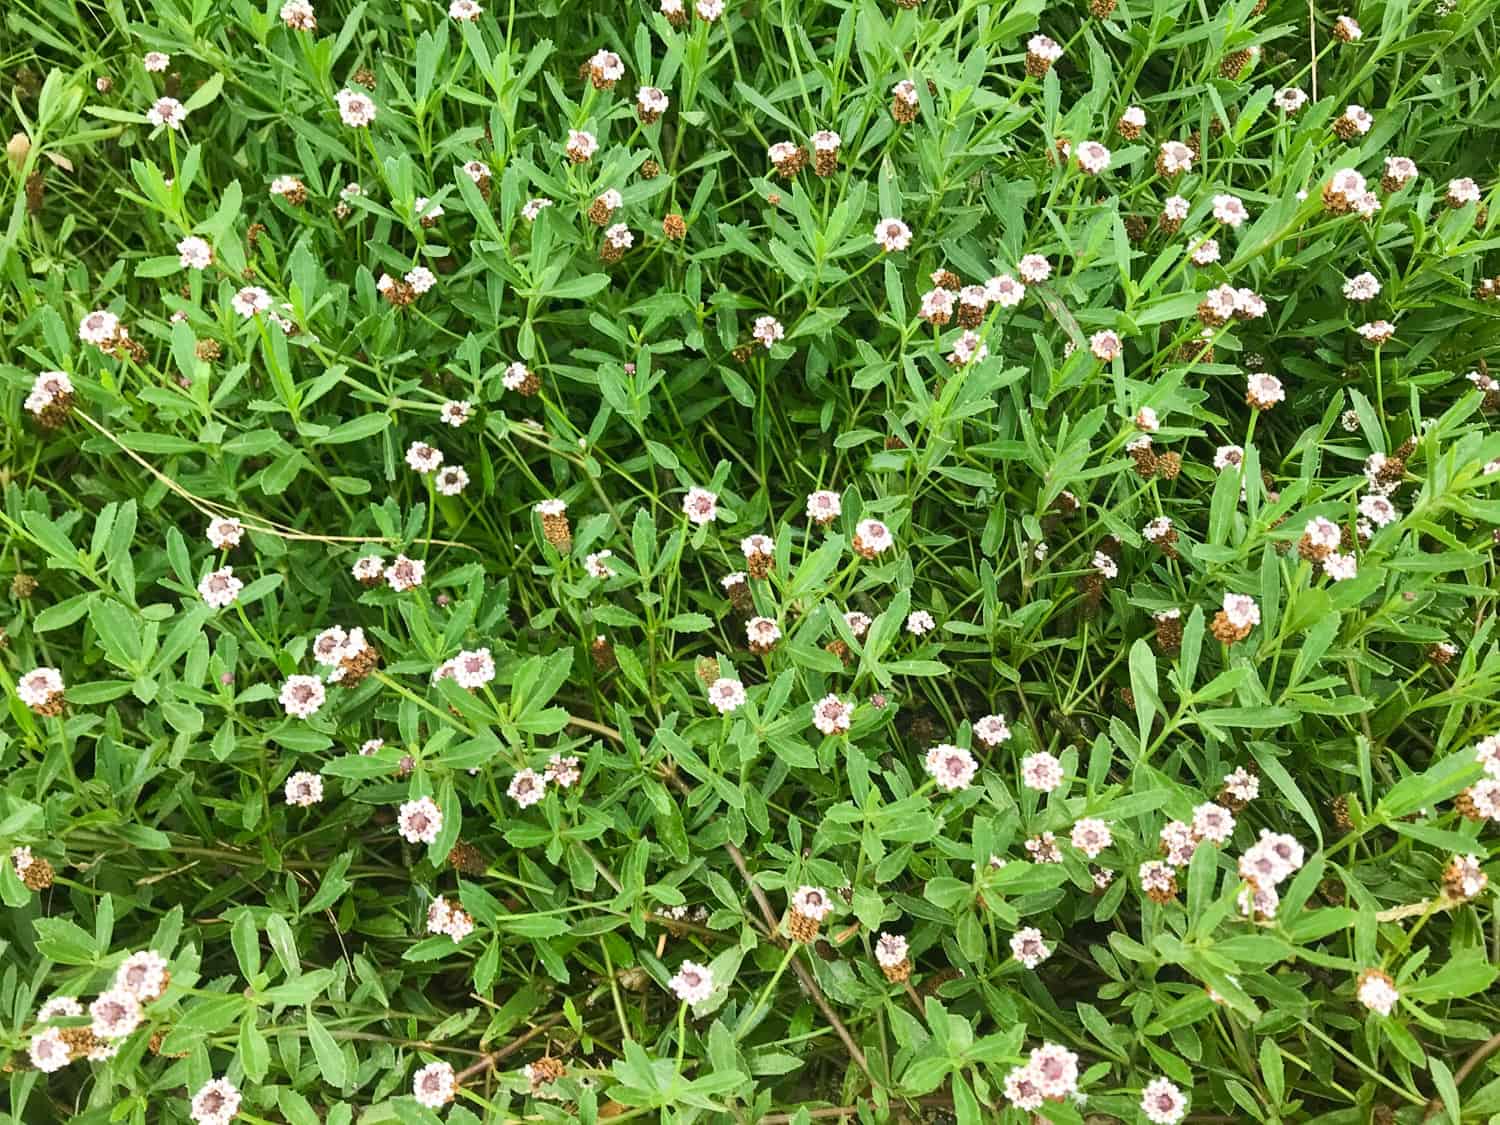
1213,822
1206,253
950,766
215,1103
892,235
1162,1102
156,61
59,1007
1028,947
693,983
115,1014
167,111
920,622
824,506
874,536
1056,1070
1093,157
527,788
1229,210
193,253
1359,117
533,208
299,15
434,1085
1105,346
100,328
304,789
891,950
700,505
405,574
1041,771
1347,29
1044,48
1241,610
1348,183
419,821
831,715
937,303
1157,529
451,480
423,458
1400,170
1175,158
1290,99
1242,785
301,696
597,564
992,730
1005,291
1264,390
709,10
473,668
650,99
1176,208
762,632
1228,456
464,11
1106,566
420,278
726,695
812,902
1486,751
1362,287
1377,991
220,588
1091,836
1339,567
48,1051
250,300
768,331
1034,269
357,110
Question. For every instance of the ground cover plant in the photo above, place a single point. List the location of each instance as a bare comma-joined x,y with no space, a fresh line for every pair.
793,561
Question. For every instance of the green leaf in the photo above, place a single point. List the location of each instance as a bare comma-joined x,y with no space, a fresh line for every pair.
331,1062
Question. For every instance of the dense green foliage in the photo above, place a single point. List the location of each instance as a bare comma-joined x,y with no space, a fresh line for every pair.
1122,646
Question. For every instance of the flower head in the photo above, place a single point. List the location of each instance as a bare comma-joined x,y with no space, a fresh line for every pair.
832,715
1041,771
700,505
693,983
215,1103
1028,947
992,730
301,696
220,588
419,821
167,111
1377,991
115,1014
952,767
356,109
304,789
892,235
1162,1102
434,1085
527,787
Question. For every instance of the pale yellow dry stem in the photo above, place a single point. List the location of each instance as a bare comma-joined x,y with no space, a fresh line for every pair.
258,524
